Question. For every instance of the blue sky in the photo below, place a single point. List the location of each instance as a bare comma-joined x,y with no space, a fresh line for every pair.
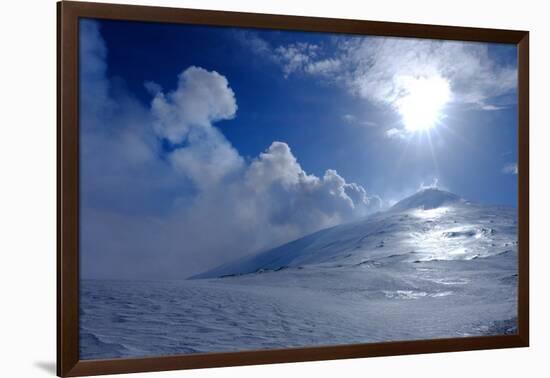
178,120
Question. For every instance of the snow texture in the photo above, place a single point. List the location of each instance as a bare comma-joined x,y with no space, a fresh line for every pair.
433,266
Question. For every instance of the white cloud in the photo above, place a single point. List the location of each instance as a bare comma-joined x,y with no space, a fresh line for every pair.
252,41
186,115
152,87
207,159
511,168
433,185
491,107
352,119
202,97
395,133
323,67
296,57
277,164
349,118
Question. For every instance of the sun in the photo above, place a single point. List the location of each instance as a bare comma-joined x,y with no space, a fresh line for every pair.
422,102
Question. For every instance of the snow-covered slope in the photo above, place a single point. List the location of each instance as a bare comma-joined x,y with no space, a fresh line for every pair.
433,266
431,224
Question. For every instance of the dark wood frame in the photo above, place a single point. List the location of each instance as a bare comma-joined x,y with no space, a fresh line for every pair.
68,13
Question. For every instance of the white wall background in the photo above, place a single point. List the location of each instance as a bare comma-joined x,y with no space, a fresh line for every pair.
27,186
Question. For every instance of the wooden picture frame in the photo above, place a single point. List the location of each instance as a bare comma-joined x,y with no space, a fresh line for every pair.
68,362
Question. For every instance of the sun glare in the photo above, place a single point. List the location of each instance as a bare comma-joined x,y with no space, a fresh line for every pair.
422,104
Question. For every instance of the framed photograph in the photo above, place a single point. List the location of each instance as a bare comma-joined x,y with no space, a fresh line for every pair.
239,188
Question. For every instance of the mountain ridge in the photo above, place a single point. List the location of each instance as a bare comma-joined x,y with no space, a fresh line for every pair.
427,199
430,224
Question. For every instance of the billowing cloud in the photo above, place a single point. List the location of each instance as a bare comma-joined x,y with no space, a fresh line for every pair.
276,177
186,115
207,159
202,97
166,195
